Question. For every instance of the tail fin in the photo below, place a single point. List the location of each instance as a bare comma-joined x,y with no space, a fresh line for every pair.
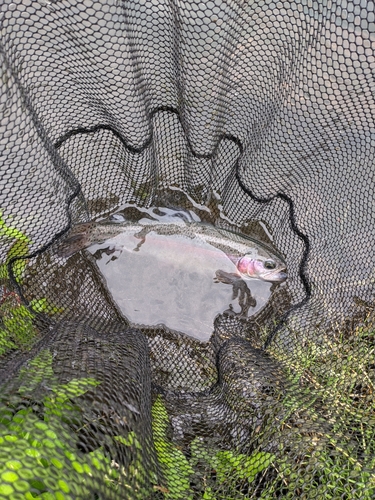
71,245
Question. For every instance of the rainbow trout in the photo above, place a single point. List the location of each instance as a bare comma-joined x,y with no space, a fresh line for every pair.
251,258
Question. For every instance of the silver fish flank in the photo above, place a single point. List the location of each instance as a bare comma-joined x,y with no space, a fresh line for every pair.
251,258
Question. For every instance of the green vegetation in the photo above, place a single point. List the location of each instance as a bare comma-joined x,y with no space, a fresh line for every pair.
227,474
326,437
233,471
39,457
17,330
334,397
12,232
19,247
16,325
175,466
40,460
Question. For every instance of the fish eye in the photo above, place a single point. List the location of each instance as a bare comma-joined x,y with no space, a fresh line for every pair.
270,264
116,218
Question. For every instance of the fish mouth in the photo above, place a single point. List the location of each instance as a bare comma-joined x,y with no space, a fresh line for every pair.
276,276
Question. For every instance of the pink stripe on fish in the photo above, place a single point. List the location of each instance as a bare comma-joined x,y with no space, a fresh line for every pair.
246,266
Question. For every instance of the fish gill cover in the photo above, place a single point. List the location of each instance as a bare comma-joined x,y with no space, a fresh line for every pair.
257,117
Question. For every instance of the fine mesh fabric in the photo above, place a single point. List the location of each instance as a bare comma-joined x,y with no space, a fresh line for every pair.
259,114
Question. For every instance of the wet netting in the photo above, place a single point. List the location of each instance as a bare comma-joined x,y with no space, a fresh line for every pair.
257,114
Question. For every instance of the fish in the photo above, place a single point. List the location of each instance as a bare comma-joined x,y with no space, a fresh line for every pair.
253,259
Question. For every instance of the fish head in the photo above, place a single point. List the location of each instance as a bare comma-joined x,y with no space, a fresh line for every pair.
266,268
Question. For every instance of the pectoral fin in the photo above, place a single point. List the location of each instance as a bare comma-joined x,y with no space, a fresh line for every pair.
227,278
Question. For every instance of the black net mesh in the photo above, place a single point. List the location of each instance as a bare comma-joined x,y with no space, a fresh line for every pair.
257,113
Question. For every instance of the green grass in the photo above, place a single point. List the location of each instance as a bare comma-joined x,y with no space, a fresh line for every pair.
334,390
